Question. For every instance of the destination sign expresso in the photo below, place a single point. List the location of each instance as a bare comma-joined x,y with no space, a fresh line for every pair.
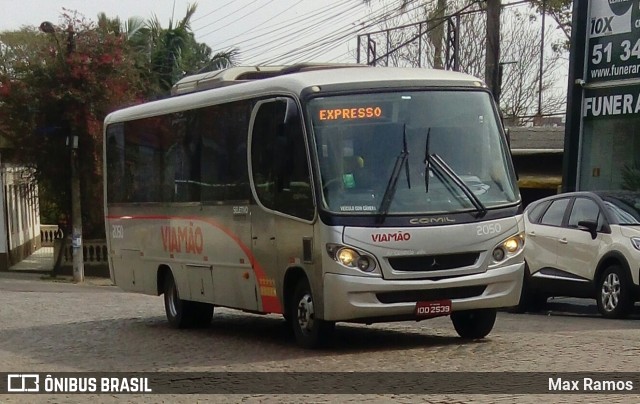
613,37
352,113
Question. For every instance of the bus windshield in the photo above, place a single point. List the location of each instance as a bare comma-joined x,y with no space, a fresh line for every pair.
376,153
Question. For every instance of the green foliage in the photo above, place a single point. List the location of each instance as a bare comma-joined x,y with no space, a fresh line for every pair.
62,84
172,53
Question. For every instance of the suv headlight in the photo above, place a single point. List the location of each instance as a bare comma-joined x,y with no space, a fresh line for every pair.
351,258
508,248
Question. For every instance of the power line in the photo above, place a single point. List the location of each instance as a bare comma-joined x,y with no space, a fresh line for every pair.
225,16
283,24
289,28
239,18
312,48
339,13
304,33
214,11
261,24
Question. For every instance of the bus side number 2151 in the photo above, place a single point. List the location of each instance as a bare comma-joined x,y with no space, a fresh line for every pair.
486,229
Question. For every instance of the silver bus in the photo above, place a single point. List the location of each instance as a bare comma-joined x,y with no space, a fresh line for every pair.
325,194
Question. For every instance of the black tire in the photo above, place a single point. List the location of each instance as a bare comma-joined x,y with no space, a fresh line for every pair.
613,293
309,331
184,313
473,324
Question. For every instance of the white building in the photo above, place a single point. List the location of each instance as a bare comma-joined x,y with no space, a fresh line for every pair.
19,214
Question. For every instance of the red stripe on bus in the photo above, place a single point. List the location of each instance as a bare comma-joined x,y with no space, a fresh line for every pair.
270,304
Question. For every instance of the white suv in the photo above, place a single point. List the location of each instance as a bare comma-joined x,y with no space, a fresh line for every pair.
584,244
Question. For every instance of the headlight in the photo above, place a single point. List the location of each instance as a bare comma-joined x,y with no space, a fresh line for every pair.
636,242
508,248
512,245
351,258
347,257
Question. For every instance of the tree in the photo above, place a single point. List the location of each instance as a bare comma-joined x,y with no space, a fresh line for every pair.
64,84
560,11
520,50
165,55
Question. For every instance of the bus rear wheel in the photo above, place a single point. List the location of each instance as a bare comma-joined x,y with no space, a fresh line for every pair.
309,331
473,324
184,313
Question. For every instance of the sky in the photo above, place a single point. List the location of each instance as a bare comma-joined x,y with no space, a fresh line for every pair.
265,31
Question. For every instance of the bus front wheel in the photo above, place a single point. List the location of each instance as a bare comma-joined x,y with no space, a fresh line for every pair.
309,331
184,313
473,324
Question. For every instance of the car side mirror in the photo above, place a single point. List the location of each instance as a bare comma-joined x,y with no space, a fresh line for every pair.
589,226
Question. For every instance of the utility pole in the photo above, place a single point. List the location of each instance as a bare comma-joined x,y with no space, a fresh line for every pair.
492,58
544,13
76,209
72,143
76,214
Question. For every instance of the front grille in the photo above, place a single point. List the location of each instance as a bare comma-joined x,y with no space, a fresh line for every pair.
433,262
433,294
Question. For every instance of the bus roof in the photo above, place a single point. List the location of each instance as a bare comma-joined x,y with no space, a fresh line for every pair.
295,83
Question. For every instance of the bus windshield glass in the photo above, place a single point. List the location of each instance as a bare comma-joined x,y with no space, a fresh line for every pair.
373,148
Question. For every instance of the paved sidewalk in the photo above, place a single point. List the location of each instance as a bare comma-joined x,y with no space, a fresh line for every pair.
41,261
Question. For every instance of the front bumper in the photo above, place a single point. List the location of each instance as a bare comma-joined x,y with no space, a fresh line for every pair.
356,298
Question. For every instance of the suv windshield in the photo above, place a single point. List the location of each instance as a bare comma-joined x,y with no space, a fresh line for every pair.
368,141
623,205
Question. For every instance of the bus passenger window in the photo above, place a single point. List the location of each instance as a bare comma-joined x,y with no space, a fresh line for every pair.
224,175
115,163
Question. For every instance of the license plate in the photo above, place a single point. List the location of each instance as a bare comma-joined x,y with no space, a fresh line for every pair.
432,309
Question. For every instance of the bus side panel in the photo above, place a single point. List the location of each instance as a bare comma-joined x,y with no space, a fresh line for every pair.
200,282
123,272
291,236
227,252
132,270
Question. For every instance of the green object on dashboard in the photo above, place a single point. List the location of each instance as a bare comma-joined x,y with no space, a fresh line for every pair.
348,180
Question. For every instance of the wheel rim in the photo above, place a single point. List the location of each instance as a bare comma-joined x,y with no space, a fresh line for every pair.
305,313
172,302
610,292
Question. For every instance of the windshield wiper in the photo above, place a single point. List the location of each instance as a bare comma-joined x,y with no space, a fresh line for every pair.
426,163
390,190
444,169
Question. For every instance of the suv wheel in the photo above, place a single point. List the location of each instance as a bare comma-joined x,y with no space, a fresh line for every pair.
614,293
